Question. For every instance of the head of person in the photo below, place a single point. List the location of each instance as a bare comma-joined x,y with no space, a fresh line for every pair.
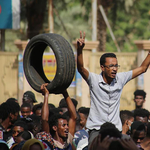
19,126
109,65
34,124
83,112
9,110
59,126
127,118
29,97
141,115
3,145
25,110
63,104
37,109
139,98
22,136
108,129
51,106
138,131
12,99
33,144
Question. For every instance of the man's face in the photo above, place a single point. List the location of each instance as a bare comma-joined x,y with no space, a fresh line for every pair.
13,118
28,100
82,120
139,100
38,112
141,119
25,111
62,128
16,131
138,136
109,69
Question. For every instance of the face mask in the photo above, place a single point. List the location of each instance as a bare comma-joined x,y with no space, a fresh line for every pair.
130,125
129,128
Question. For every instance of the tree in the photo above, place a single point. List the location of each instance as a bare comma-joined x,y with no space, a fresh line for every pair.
35,12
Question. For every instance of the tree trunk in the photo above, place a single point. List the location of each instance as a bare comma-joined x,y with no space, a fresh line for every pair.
101,26
35,10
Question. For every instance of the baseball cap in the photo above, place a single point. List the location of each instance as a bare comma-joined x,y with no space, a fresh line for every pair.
30,95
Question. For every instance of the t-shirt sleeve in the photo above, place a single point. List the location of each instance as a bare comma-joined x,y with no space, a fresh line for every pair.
125,77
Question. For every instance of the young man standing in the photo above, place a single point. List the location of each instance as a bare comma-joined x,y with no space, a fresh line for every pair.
105,88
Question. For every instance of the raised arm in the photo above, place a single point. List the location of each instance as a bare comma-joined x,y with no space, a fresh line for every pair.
80,66
45,109
72,113
143,68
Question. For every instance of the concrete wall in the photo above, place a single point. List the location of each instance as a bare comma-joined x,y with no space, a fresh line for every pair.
8,75
10,87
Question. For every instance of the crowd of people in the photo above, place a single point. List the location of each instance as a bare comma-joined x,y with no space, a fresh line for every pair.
103,126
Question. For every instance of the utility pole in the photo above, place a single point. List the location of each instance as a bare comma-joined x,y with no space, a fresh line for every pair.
2,40
94,22
50,17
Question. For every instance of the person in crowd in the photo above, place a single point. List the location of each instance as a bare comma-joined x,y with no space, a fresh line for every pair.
139,98
80,139
25,110
9,112
63,104
127,119
138,133
110,138
33,144
37,109
12,99
83,112
58,131
141,115
105,88
3,145
34,124
19,126
29,97
145,144
20,139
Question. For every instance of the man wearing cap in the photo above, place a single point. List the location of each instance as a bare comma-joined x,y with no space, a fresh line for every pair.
29,97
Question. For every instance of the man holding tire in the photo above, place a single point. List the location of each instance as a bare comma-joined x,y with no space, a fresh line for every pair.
105,88
57,130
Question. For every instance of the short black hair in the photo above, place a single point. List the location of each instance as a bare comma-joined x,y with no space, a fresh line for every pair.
53,121
107,125
84,111
104,56
125,115
21,123
63,104
25,135
51,105
37,107
140,93
141,112
12,99
138,126
8,107
111,131
26,105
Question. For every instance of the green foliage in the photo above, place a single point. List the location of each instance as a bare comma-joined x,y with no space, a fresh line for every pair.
129,22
